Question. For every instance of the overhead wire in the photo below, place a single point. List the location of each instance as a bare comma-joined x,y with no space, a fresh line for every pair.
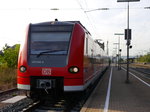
90,22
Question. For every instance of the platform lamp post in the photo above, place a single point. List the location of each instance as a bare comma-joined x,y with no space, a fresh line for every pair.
128,35
119,34
117,52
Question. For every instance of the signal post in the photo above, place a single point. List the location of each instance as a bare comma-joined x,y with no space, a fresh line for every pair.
128,35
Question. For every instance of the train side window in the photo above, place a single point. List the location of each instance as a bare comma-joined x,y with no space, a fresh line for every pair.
86,45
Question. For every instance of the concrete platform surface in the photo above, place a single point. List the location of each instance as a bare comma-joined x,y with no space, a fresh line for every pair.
112,94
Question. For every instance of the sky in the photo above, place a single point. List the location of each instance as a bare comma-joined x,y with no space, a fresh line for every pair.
15,15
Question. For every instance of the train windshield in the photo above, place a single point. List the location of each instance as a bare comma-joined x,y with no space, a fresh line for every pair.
49,43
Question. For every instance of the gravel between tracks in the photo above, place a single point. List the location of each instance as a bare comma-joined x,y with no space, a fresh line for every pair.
10,93
16,107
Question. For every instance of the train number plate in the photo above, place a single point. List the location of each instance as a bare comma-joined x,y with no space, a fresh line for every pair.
46,71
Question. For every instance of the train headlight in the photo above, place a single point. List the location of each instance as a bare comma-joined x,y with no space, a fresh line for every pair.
22,69
73,69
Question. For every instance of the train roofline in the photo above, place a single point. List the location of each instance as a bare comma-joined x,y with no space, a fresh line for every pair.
61,23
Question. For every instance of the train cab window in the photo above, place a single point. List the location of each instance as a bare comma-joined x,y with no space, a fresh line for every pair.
49,42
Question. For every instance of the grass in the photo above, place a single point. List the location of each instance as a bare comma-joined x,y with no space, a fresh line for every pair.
141,65
7,78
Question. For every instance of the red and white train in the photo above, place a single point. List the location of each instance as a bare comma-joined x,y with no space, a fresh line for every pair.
59,57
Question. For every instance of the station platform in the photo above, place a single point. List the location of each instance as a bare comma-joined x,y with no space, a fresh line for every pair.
113,94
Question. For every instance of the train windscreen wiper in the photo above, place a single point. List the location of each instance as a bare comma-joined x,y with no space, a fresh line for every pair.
49,51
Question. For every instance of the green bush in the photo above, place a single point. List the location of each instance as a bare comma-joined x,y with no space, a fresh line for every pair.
10,56
8,65
145,58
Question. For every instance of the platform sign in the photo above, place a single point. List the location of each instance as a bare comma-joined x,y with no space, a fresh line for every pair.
128,34
128,0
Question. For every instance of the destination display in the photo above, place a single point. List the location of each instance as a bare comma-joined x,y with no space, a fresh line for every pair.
51,28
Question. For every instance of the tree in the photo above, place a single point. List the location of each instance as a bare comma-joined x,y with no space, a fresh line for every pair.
145,58
11,55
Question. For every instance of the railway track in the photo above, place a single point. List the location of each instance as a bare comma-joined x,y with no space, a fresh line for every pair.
64,104
11,107
17,106
140,73
8,91
142,69
67,103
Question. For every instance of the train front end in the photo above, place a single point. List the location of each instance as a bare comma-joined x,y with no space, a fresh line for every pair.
51,59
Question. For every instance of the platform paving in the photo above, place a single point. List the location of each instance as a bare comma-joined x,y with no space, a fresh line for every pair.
123,97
